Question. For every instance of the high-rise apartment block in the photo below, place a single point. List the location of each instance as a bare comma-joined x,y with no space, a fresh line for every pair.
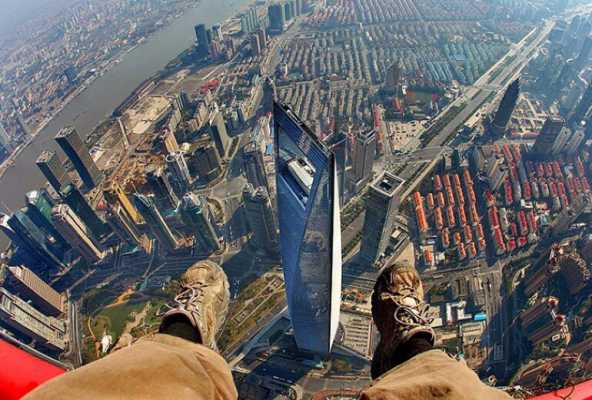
575,141
53,170
254,165
28,286
255,45
46,331
249,20
541,321
260,217
82,239
543,146
216,128
382,205
78,153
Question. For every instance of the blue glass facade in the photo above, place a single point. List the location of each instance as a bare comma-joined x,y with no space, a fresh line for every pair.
308,214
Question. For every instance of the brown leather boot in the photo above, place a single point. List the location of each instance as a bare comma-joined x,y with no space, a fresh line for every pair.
400,313
202,304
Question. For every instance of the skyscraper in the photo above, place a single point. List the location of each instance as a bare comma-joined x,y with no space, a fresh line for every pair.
77,202
382,204
260,217
572,146
262,38
78,153
337,143
196,214
168,141
201,34
277,17
254,166
46,331
205,162
216,128
114,194
178,172
164,195
249,20
24,252
582,108
310,233
364,153
28,286
53,170
506,108
38,208
255,45
269,95
77,233
543,145
560,140
119,220
217,33
159,227
34,242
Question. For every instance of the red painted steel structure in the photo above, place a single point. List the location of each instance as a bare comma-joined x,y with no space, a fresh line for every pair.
27,372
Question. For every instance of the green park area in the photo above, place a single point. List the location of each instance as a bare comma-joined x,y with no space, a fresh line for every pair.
109,312
113,319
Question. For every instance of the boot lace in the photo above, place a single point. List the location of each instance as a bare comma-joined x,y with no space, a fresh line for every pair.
189,296
412,316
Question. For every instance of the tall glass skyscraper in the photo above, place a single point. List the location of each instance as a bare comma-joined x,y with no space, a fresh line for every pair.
310,234
78,153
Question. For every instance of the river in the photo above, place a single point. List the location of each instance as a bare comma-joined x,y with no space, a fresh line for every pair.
98,101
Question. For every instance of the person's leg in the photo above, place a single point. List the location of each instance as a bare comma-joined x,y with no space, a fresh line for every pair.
179,362
405,366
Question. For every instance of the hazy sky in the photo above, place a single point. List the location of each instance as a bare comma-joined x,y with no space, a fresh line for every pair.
14,12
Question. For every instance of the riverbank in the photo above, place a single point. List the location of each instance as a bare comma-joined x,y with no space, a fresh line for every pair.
116,59
96,104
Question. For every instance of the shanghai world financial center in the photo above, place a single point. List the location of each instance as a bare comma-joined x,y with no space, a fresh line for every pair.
308,207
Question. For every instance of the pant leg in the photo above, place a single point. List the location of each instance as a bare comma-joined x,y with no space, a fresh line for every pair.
156,367
431,375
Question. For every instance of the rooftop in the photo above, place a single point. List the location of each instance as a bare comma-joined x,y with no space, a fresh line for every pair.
388,183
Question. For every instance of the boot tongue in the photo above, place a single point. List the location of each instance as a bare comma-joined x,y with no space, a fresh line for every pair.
409,301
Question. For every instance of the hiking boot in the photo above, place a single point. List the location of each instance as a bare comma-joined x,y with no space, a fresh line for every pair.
400,314
202,304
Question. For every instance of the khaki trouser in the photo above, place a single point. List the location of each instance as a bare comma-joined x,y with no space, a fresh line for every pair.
431,375
167,367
